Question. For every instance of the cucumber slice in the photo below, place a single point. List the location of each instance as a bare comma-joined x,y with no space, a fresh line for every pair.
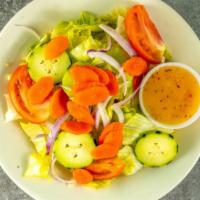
156,149
40,67
67,83
74,151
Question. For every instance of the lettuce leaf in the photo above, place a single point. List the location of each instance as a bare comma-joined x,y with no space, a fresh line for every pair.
38,166
85,34
135,126
132,165
111,18
11,113
37,135
80,52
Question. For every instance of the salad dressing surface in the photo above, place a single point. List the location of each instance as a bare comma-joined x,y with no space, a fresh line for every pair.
172,95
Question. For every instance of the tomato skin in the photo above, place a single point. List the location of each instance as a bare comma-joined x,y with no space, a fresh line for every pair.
18,87
106,169
143,35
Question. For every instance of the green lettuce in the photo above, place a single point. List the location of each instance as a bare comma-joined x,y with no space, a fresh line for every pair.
80,51
33,131
85,34
38,166
132,165
118,53
135,126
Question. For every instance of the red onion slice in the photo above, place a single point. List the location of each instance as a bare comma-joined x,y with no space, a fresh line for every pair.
102,111
55,176
54,132
110,60
116,106
119,39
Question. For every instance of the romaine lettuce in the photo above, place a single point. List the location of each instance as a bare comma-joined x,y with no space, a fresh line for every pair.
37,135
132,165
38,166
135,126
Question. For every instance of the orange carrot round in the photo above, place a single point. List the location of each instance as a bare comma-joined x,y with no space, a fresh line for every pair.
80,113
135,66
58,104
113,127
113,85
40,90
56,47
106,168
91,96
76,127
110,141
82,86
104,151
82,74
103,76
82,176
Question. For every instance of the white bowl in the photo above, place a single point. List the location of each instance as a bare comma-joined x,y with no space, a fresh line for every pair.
149,183
188,122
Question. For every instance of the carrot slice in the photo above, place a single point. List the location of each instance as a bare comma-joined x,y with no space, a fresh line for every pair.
104,151
106,169
58,104
113,127
110,141
82,74
56,47
135,66
80,113
112,85
82,176
91,96
81,86
76,127
103,76
40,90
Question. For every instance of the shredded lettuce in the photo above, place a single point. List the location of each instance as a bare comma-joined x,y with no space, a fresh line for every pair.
11,113
132,165
38,166
37,135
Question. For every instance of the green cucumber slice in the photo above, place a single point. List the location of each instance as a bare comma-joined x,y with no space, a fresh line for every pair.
156,149
74,151
39,67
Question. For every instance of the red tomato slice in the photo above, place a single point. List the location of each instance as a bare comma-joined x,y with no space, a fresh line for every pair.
106,169
18,87
143,35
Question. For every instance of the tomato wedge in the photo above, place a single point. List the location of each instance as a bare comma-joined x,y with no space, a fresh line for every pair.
143,34
18,87
106,169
